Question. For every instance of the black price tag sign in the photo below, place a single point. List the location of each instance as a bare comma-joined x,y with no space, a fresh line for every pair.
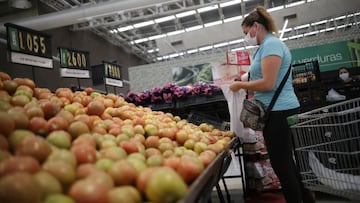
112,71
113,74
27,41
29,47
70,58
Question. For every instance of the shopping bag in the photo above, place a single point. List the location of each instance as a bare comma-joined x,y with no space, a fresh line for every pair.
235,104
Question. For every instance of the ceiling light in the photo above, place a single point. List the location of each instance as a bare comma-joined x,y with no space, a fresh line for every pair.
193,28
208,8
126,28
213,23
143,24
275,8
205,48
164,19
232,19
21,4
230,3
157,37
191,51
295,4
184,14
236,41
221,44
141,40
175,32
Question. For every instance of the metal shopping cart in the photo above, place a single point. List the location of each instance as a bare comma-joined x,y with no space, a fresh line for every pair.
327,148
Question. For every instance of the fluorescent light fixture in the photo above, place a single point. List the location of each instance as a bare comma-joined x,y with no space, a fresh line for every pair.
143,24
339,18
186,13
221,44
157,37
208,8
191,51
193,28
295,4
173,55
175,32
153,50
126,28
238,49
283,29
236,41
311,33
205,48
230,3
141,40
295,36
319,22
232,19
164,19
159,58
275,8
302,26
213,23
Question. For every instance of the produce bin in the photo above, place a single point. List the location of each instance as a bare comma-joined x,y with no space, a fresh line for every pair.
200,190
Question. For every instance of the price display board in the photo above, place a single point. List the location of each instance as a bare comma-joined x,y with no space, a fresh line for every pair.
29,47
74,63
113,74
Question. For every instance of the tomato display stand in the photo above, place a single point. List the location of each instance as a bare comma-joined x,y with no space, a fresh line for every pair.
201,189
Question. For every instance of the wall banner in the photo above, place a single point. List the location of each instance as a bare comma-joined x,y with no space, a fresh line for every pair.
330,56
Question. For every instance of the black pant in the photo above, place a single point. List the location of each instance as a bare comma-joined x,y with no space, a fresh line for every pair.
279,146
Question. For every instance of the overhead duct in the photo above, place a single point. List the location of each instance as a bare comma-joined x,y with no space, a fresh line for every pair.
78,15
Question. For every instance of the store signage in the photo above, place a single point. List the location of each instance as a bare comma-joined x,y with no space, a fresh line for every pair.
74,63
238,58
330,56
29,47
113,74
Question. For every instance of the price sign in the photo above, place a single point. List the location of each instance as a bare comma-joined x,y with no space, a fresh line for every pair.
113,74
70,58
29,47
74,63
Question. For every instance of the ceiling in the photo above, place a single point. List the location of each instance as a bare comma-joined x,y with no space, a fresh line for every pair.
120,21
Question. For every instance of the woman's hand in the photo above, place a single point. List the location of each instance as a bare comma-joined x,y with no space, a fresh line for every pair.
235,86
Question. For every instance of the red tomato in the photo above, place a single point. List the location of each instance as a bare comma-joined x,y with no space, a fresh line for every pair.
88,191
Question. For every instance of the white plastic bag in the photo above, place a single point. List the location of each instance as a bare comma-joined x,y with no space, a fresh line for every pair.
235,102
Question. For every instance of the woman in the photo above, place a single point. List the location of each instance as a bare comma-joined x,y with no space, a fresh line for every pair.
270,63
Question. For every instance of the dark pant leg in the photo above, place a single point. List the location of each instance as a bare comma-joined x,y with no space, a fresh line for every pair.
279,146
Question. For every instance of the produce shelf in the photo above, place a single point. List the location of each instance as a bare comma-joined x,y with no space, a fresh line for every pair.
200,190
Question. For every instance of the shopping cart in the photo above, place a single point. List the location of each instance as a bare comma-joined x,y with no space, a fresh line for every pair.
327,148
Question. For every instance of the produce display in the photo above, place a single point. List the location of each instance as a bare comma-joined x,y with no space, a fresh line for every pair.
85,147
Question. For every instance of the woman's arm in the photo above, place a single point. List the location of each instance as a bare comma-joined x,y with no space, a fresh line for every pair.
270,66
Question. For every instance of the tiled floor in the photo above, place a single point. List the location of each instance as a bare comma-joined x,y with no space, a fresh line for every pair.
237,196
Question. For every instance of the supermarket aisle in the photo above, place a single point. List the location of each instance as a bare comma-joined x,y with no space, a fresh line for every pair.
236,192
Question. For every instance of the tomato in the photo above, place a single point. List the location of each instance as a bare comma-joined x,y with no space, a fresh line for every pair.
57,123
88,191
19,187
19,163
48,183
84,153
128,194
61,170
7,123
34,146
38,125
